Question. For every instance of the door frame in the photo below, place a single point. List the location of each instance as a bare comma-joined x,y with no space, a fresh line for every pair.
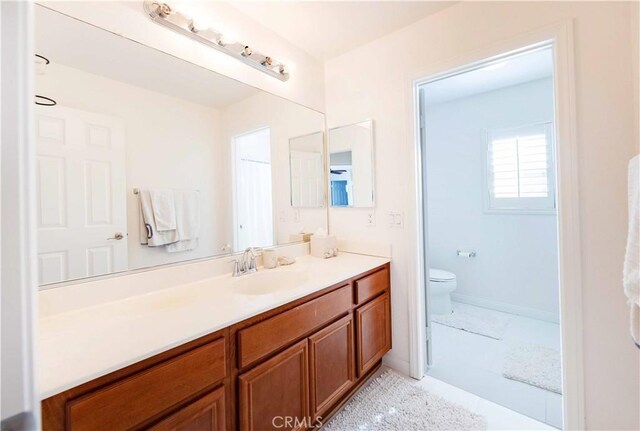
21,409
560,38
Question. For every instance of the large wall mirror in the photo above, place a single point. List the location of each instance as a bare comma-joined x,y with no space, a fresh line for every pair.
148,159
351,165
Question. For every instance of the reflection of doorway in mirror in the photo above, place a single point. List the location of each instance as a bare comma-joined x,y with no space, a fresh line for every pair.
341,170
81,194
341,186
253,200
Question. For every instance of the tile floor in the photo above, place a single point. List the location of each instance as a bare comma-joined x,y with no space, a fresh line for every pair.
474,363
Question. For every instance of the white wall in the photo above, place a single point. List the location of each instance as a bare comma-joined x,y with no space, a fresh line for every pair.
170,143
127,18
635,64
517,259
286,120
374,81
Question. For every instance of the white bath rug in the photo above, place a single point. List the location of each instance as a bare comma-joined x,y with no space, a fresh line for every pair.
392,403
535,365
482,321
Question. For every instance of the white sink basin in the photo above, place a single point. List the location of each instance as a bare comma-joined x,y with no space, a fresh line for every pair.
264,283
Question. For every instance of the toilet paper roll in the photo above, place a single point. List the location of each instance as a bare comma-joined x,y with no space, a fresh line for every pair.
462,253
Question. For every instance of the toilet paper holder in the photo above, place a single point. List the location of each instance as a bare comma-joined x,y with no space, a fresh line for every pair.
463,253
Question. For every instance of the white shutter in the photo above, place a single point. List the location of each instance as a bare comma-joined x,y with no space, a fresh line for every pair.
520,169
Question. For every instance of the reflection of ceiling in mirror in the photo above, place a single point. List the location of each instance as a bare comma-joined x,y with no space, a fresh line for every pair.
312,143
341,158
73,43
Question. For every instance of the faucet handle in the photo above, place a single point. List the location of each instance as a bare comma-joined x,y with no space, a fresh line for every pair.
252,263
254,251
236,267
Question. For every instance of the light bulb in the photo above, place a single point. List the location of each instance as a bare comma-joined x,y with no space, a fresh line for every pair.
180,19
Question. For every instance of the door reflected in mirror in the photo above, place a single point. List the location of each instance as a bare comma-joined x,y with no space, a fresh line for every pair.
351,165
306,159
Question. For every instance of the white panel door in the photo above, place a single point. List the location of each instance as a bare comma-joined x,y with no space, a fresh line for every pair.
81,194
307,179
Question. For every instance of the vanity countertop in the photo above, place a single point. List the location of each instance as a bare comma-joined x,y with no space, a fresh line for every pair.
81,345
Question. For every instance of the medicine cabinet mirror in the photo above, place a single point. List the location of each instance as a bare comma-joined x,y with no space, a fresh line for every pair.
351,165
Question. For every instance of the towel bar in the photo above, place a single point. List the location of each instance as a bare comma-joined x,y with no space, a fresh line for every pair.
136,191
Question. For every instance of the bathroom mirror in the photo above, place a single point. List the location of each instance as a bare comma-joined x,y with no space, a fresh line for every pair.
351,165
306,165
147,159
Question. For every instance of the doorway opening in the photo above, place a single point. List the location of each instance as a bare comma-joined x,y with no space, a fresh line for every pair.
490,220
253,198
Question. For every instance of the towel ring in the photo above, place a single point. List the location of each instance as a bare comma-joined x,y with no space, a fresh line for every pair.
45,101
46,60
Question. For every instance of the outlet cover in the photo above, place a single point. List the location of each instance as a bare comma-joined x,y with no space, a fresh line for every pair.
371,219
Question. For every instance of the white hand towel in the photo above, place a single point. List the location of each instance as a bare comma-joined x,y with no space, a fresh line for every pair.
187,220
631,271
164,209
149,234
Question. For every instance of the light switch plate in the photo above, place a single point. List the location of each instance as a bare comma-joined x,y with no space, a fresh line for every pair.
396,219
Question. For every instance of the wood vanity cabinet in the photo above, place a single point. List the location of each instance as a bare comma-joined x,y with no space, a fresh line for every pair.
286,369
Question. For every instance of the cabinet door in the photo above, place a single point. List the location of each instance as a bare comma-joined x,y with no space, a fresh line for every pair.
332,364
275,394
205,414
373,327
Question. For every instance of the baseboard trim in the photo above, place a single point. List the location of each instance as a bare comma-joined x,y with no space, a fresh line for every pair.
396,363
507,308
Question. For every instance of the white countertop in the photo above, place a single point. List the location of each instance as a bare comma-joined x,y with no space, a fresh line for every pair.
81,345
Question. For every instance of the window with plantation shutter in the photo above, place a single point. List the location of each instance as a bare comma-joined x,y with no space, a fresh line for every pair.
520,170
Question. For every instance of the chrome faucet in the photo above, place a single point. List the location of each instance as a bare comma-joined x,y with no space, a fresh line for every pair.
247,263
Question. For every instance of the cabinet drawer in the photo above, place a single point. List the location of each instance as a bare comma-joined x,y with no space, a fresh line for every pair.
259,340
138,398
372,285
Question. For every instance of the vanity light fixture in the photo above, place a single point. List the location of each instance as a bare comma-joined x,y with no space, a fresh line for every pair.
163,14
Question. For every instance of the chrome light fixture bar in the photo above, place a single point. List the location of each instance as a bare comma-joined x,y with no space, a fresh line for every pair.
163,14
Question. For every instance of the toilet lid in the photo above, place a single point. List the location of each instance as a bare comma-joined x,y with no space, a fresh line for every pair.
440,275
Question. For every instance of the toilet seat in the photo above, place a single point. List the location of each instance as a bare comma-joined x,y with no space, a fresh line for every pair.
440,275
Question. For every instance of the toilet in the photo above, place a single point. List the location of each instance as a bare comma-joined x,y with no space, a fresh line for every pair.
442,284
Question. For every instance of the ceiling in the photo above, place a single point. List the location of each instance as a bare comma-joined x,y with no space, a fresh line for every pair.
518,70
72,43
327,29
